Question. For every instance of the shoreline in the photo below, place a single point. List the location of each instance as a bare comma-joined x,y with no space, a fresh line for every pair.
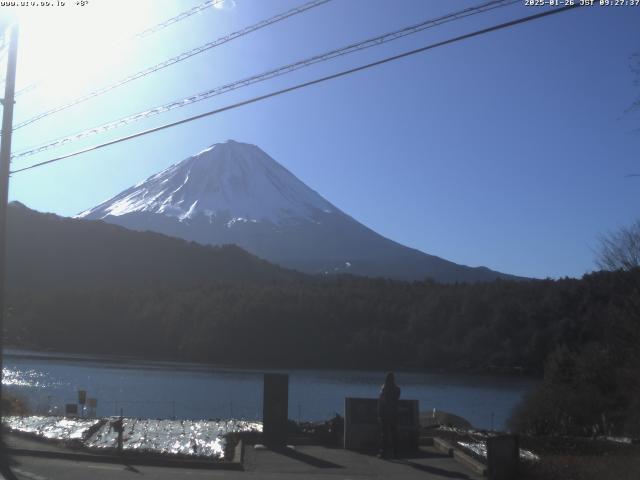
14,351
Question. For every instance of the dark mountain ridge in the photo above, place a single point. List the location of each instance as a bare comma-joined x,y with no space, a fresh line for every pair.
48,251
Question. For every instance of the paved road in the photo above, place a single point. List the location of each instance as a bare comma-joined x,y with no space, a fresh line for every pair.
336,463
33,468
302,462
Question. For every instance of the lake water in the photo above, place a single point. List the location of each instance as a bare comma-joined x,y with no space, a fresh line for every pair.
190,391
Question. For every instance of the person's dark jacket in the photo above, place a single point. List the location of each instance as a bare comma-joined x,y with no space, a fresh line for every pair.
388,403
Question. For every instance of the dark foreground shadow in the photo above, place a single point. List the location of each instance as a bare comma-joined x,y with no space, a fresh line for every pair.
410,455
130,468
6,462
7,473
441,472
305,458
420,454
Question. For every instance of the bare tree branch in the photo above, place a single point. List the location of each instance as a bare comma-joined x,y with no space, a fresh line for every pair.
635,69
620,250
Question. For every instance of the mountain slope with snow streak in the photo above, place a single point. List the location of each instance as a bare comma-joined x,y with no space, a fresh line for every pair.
234,192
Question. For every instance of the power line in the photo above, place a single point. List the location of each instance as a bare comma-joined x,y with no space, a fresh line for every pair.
27,89
179,58
267,75
177,18
355,47
147,32
303,85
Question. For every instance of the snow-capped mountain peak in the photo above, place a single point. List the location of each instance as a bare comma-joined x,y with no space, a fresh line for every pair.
230,182
234,193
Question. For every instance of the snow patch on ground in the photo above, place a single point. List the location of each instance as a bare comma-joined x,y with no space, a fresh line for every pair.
202,438
52,428
480,449
197,438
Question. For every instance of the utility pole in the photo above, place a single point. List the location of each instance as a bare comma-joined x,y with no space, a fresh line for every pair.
5,160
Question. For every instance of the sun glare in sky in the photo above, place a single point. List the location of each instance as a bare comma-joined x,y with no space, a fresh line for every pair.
68,48
225,5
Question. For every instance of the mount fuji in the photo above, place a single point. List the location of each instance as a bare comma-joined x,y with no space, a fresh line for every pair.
234,193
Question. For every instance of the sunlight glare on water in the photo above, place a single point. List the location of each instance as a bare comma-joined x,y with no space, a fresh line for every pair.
24,378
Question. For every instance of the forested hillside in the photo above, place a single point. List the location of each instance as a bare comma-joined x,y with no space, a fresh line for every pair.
46,251
341,322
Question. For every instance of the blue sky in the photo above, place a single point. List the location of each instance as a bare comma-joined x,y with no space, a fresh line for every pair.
508,150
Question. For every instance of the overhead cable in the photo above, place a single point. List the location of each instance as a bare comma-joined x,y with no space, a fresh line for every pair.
302,85
372,42
177,18
174,60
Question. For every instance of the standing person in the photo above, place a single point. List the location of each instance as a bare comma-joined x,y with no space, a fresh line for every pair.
118,427
388,416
